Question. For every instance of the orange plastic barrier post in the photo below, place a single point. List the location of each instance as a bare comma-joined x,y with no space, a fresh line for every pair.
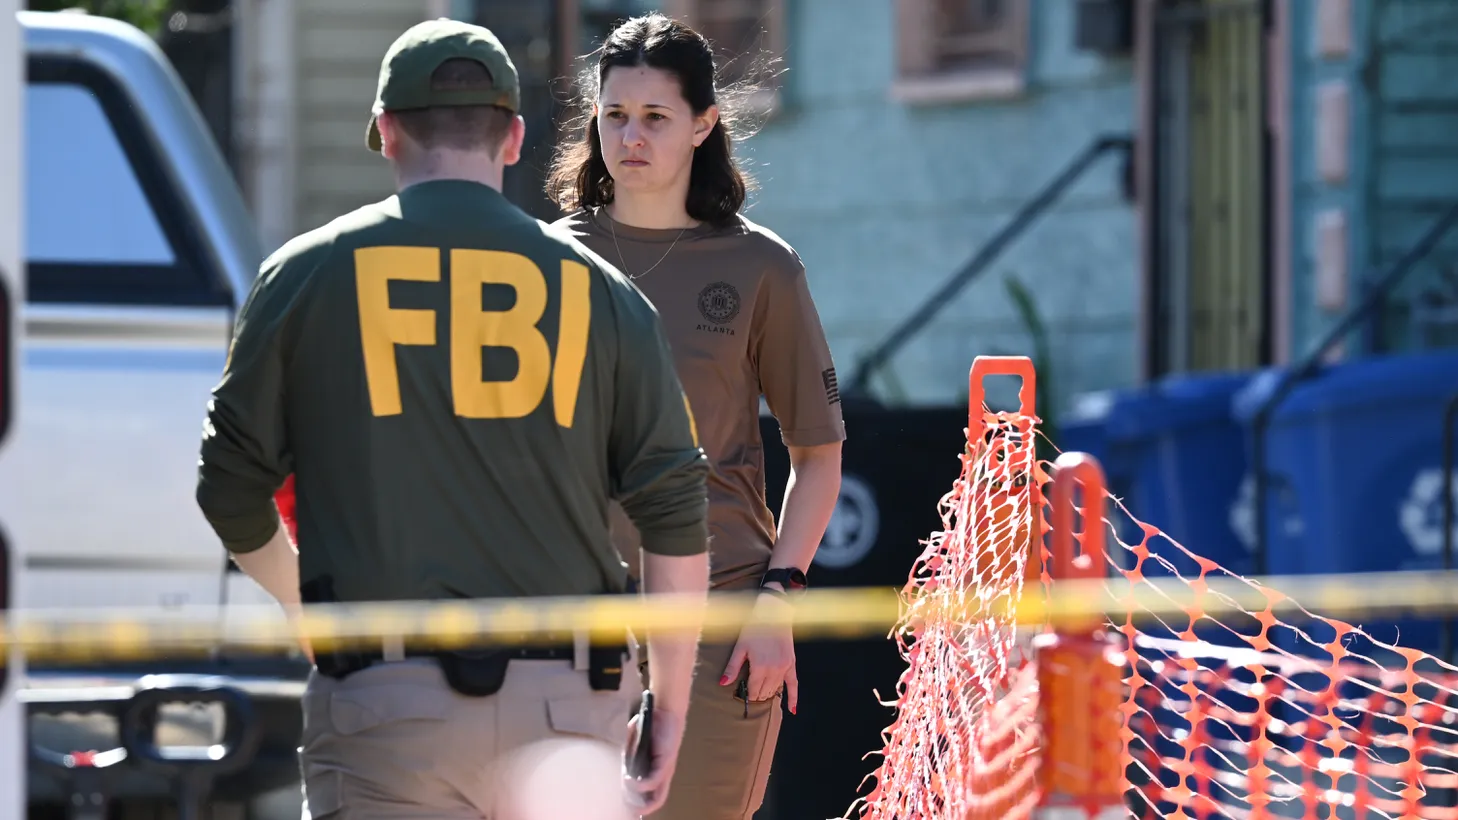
1013,442
984,366
1081,665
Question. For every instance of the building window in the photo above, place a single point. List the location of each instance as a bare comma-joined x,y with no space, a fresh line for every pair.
740,31
950,50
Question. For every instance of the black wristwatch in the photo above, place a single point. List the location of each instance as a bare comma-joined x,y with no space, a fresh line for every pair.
791,578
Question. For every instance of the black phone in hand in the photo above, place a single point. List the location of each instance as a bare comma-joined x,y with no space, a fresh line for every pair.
641,764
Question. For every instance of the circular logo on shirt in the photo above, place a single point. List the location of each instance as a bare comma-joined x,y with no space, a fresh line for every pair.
853,528
719,303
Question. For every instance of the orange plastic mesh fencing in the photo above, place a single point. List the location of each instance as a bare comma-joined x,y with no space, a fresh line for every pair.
1246,714
966,731
1233,714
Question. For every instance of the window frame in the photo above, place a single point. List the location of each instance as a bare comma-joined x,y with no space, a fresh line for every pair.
192,280
921,79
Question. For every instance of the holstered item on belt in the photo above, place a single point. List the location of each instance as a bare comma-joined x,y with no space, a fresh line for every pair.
337,663
318,590
481,673
605,667
474,674
605,663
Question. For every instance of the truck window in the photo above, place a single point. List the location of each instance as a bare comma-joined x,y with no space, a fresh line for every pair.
105,224
84,203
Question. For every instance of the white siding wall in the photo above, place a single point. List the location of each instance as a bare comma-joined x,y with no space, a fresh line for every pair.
265,94
340,44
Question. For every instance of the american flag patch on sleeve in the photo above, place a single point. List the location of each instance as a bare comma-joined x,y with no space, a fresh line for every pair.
832,386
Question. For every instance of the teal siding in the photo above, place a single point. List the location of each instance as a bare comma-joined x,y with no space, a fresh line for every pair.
1412,152
1310,195
1404,158
885,200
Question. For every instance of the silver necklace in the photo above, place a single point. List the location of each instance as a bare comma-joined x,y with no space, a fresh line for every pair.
612,226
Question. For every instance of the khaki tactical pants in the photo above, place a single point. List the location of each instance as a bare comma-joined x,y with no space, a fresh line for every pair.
395,741
724,764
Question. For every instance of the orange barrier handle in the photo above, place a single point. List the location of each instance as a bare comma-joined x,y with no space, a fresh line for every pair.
984,366
1069,470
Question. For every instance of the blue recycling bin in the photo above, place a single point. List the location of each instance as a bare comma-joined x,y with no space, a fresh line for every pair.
1174,453
1083,428
1178,461
1354,465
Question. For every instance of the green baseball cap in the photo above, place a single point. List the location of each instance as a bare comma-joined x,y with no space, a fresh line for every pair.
416,54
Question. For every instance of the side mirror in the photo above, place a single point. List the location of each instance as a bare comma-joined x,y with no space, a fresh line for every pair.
179,723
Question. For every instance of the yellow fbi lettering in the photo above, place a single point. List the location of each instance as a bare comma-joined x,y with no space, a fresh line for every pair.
472,329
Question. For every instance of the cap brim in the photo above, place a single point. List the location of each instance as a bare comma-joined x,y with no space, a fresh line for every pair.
372,137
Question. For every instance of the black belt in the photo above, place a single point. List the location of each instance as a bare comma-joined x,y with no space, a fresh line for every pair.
475,671
481,672
344,664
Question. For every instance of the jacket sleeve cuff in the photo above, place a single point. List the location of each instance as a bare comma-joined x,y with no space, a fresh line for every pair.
813,436
677,542
246,533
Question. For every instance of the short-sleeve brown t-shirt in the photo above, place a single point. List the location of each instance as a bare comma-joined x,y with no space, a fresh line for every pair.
741,322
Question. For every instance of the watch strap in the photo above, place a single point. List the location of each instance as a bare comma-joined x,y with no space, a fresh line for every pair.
791,578
778,593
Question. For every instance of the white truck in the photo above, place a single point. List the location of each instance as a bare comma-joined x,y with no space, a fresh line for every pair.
12,720
137,249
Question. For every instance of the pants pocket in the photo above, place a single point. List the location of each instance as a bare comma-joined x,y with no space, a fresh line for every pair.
602,716
352,711
324,795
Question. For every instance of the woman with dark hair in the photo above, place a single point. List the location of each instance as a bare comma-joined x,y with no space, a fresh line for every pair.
653,187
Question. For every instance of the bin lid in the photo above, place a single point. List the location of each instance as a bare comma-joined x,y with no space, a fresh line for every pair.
1089,409
1388,381
1174,403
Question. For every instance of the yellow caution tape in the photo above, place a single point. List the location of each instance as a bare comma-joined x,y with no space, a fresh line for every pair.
835,614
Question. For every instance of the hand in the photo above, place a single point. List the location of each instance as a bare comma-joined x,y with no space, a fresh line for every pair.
294,615
769,647
649,794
